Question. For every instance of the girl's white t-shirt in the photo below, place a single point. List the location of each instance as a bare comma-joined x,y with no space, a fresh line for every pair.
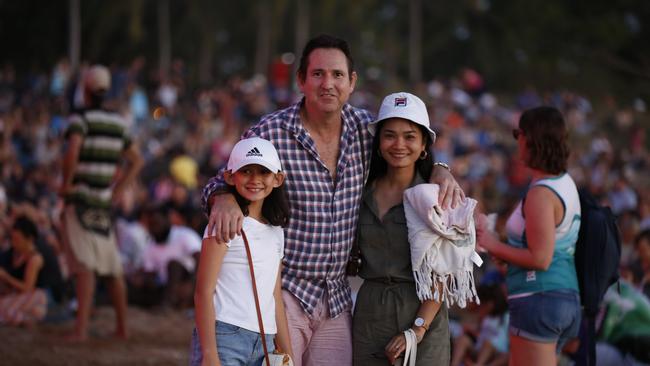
234,302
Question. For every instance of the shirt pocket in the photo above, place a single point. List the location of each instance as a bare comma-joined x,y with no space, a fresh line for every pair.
367,227
399,219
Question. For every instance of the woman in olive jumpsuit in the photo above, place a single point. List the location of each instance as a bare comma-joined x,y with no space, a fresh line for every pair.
387,303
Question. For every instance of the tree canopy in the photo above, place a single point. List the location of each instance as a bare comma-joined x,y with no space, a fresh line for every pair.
596,46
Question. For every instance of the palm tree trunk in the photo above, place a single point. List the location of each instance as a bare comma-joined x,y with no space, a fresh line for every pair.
302,30
74,34
164,38
415,41
263,47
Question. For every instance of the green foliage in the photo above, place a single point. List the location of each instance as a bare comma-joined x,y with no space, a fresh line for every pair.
32,33
599,46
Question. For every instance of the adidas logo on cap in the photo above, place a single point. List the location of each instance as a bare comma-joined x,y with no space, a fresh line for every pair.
254,152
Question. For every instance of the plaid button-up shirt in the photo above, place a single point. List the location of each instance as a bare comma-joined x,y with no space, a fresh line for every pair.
324,212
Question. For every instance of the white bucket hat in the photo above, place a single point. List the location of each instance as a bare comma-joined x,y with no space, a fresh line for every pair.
403,105
254,150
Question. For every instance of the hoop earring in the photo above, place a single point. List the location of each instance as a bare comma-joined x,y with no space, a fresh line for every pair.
379,153
423,154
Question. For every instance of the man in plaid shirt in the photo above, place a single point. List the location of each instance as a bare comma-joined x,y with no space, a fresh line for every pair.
325,148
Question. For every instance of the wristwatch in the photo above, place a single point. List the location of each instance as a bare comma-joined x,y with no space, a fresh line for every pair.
419,322
444,165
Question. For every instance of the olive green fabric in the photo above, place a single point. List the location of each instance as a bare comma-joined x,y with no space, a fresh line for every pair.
387,302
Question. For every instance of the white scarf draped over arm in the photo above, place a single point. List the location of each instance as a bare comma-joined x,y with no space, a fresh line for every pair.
442,246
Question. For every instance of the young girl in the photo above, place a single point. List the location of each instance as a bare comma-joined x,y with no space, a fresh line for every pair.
227,329
22,299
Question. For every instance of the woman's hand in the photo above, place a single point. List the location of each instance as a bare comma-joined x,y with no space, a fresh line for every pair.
484,237
397,345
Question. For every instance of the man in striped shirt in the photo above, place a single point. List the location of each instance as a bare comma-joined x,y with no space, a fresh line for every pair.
325,151
97,144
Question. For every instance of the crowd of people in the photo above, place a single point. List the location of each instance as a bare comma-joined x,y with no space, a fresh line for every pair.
184,135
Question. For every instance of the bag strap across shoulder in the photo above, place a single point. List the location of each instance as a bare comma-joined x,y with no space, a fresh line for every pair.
355,251
257,300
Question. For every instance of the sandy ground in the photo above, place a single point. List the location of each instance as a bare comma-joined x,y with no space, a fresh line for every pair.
157,338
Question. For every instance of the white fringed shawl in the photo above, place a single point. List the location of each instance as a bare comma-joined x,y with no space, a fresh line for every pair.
442,246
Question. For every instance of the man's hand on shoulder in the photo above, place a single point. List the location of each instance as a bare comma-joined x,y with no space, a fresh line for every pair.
450,191
226,217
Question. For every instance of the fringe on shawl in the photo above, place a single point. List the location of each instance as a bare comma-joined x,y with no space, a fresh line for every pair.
458,287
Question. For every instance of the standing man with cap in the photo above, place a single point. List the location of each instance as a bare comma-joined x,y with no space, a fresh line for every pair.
97,144
324,147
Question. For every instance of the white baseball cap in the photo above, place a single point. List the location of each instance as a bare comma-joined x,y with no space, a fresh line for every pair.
98,78
403,105
254,150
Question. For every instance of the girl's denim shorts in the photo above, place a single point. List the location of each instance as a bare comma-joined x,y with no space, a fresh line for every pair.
546,317
236,346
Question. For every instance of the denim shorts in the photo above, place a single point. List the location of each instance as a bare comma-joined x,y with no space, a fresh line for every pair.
236,346
546,317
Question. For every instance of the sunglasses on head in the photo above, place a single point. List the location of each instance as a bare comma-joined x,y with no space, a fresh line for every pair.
516,133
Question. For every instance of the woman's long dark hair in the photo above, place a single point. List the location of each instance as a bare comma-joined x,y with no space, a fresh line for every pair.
275,208
379,166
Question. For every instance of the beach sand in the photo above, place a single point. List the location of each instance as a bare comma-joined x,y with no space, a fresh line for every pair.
160,337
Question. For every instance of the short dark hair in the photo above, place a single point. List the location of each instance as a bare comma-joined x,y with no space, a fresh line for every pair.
324,41
645,234
26,227
275,208
494,293
379,166
158,221
546,139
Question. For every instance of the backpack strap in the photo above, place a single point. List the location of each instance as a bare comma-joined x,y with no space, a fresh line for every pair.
523,201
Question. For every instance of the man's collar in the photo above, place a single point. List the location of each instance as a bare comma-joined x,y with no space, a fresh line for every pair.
295,123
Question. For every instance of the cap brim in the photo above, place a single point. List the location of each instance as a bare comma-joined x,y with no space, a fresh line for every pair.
255,160
372,127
